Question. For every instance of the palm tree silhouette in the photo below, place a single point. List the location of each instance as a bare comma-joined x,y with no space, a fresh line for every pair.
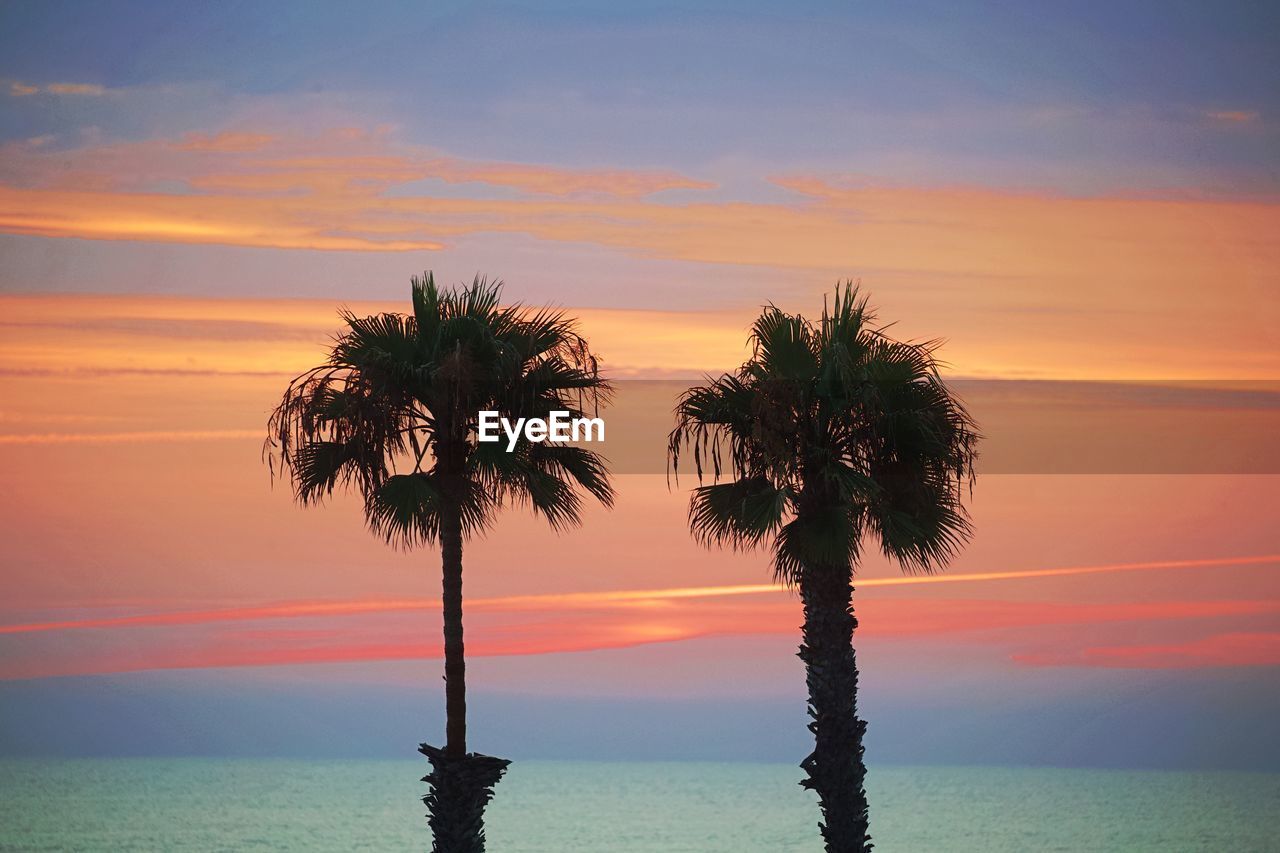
830,432
392,413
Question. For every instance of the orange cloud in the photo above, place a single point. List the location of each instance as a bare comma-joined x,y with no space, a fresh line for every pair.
91,89
987,249
175,219
535,179
206,337
1026,283
1164,247
225,142
118,437
1234,116
23,90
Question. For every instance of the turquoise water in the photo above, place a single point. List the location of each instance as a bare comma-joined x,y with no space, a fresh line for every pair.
564,807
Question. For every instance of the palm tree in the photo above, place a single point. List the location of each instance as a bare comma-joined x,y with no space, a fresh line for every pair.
829,433
392,413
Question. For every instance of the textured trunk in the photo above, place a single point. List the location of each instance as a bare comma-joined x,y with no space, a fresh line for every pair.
835,767
460,788
461,783
455,662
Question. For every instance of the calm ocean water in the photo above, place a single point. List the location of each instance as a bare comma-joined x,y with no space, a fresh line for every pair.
561,807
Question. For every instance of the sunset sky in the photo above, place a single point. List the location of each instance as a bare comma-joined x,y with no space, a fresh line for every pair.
1067,196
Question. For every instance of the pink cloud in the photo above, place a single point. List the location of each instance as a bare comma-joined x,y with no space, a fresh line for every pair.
394,628
910,616
1234,116
346,161
367,631
1218,650
18,89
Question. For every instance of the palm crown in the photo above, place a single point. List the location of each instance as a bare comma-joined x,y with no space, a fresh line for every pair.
829,431
393,412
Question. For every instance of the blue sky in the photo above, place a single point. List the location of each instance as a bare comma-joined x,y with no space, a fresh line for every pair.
1212,719
1086,97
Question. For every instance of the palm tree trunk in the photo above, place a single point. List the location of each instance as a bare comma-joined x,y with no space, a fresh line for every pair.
455,662
461,783
835,767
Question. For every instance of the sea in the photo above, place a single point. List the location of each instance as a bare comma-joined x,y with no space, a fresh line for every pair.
221,804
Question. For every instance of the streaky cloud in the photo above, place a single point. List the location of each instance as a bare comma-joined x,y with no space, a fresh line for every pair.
590,600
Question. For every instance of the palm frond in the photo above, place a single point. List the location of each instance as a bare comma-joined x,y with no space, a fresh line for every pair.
711,420
580,467
857,428
822,538
921,524
740,514
427,309
405,509
782,347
